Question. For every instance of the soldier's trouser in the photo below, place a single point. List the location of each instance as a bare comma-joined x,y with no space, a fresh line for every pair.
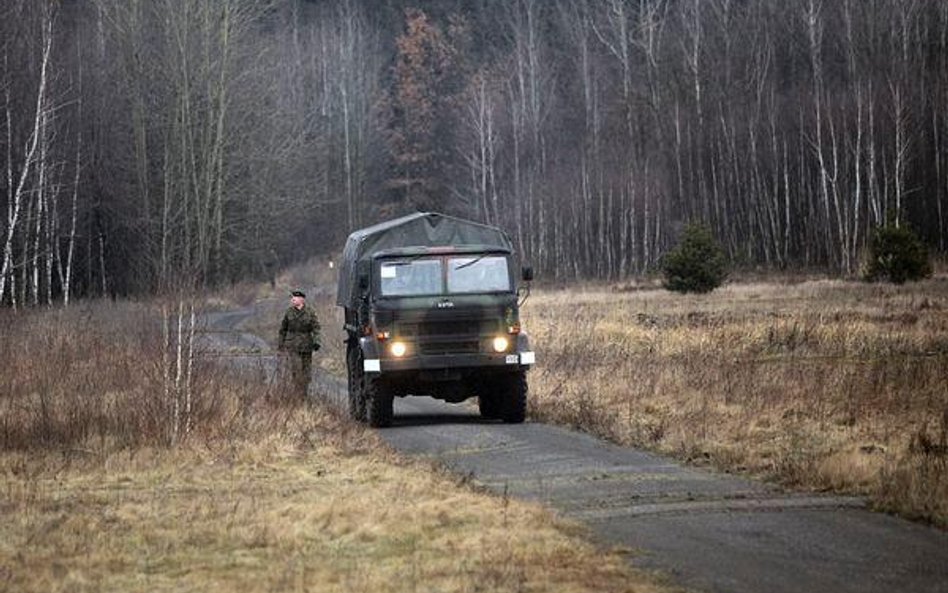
301,364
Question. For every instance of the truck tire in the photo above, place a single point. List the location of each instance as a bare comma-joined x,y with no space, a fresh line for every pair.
487,401
379,402
487,404
512,392
356,378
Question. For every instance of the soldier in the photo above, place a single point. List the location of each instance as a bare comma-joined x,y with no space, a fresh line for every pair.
299,338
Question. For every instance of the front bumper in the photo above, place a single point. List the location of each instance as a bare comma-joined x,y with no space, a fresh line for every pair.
450,361
522,357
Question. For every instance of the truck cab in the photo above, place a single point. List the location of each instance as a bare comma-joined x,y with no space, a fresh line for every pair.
432,308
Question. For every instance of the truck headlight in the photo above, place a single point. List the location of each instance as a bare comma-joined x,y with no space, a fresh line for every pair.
398,349
501,344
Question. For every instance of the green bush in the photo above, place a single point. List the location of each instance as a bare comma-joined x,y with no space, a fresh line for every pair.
696,264
897,255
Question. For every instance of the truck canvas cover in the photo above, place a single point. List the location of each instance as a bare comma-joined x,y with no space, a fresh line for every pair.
419,230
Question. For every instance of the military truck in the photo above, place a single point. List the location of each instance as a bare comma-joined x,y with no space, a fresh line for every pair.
432,308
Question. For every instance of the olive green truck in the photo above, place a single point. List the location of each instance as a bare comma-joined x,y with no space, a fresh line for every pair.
432,307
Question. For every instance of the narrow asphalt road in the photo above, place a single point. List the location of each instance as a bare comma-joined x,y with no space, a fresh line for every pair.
708,531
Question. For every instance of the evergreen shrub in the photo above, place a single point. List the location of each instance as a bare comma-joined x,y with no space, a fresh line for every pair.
697,264
897,255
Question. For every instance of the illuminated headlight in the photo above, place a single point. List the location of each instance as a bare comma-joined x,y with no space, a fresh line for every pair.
501,344
398,349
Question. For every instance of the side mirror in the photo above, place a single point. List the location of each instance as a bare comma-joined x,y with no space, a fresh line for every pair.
527,273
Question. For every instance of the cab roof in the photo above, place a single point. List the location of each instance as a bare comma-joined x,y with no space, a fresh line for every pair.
416,233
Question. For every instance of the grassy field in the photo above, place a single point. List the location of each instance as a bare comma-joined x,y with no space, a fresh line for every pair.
821,384
256,495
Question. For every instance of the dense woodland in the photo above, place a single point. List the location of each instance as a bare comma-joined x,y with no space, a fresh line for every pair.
146,143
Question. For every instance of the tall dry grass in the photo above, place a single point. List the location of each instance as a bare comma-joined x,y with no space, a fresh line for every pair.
97,375
825,385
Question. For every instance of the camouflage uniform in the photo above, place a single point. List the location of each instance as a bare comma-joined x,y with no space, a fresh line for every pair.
299,337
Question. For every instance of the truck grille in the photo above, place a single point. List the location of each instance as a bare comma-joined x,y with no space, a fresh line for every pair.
447,332
449,328
453,347
440,328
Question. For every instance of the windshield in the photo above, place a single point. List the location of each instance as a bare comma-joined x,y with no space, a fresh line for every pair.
424,276
478,274
411,277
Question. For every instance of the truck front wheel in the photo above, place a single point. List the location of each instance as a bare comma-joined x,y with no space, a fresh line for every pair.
379,402
511,394
487,404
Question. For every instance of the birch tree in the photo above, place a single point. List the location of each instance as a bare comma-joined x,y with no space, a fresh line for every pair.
31,159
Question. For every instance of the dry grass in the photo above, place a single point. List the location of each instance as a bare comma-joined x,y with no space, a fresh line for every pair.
826,385
277,517
260,496
96,376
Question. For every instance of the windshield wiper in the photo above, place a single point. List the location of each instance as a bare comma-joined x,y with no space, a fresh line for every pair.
471,263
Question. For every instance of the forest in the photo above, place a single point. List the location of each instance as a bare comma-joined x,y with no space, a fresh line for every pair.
147,144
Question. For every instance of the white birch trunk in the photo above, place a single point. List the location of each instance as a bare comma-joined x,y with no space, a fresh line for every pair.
188,398
29,158
178,374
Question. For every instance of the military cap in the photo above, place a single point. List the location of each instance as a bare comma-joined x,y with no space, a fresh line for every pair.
298,293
